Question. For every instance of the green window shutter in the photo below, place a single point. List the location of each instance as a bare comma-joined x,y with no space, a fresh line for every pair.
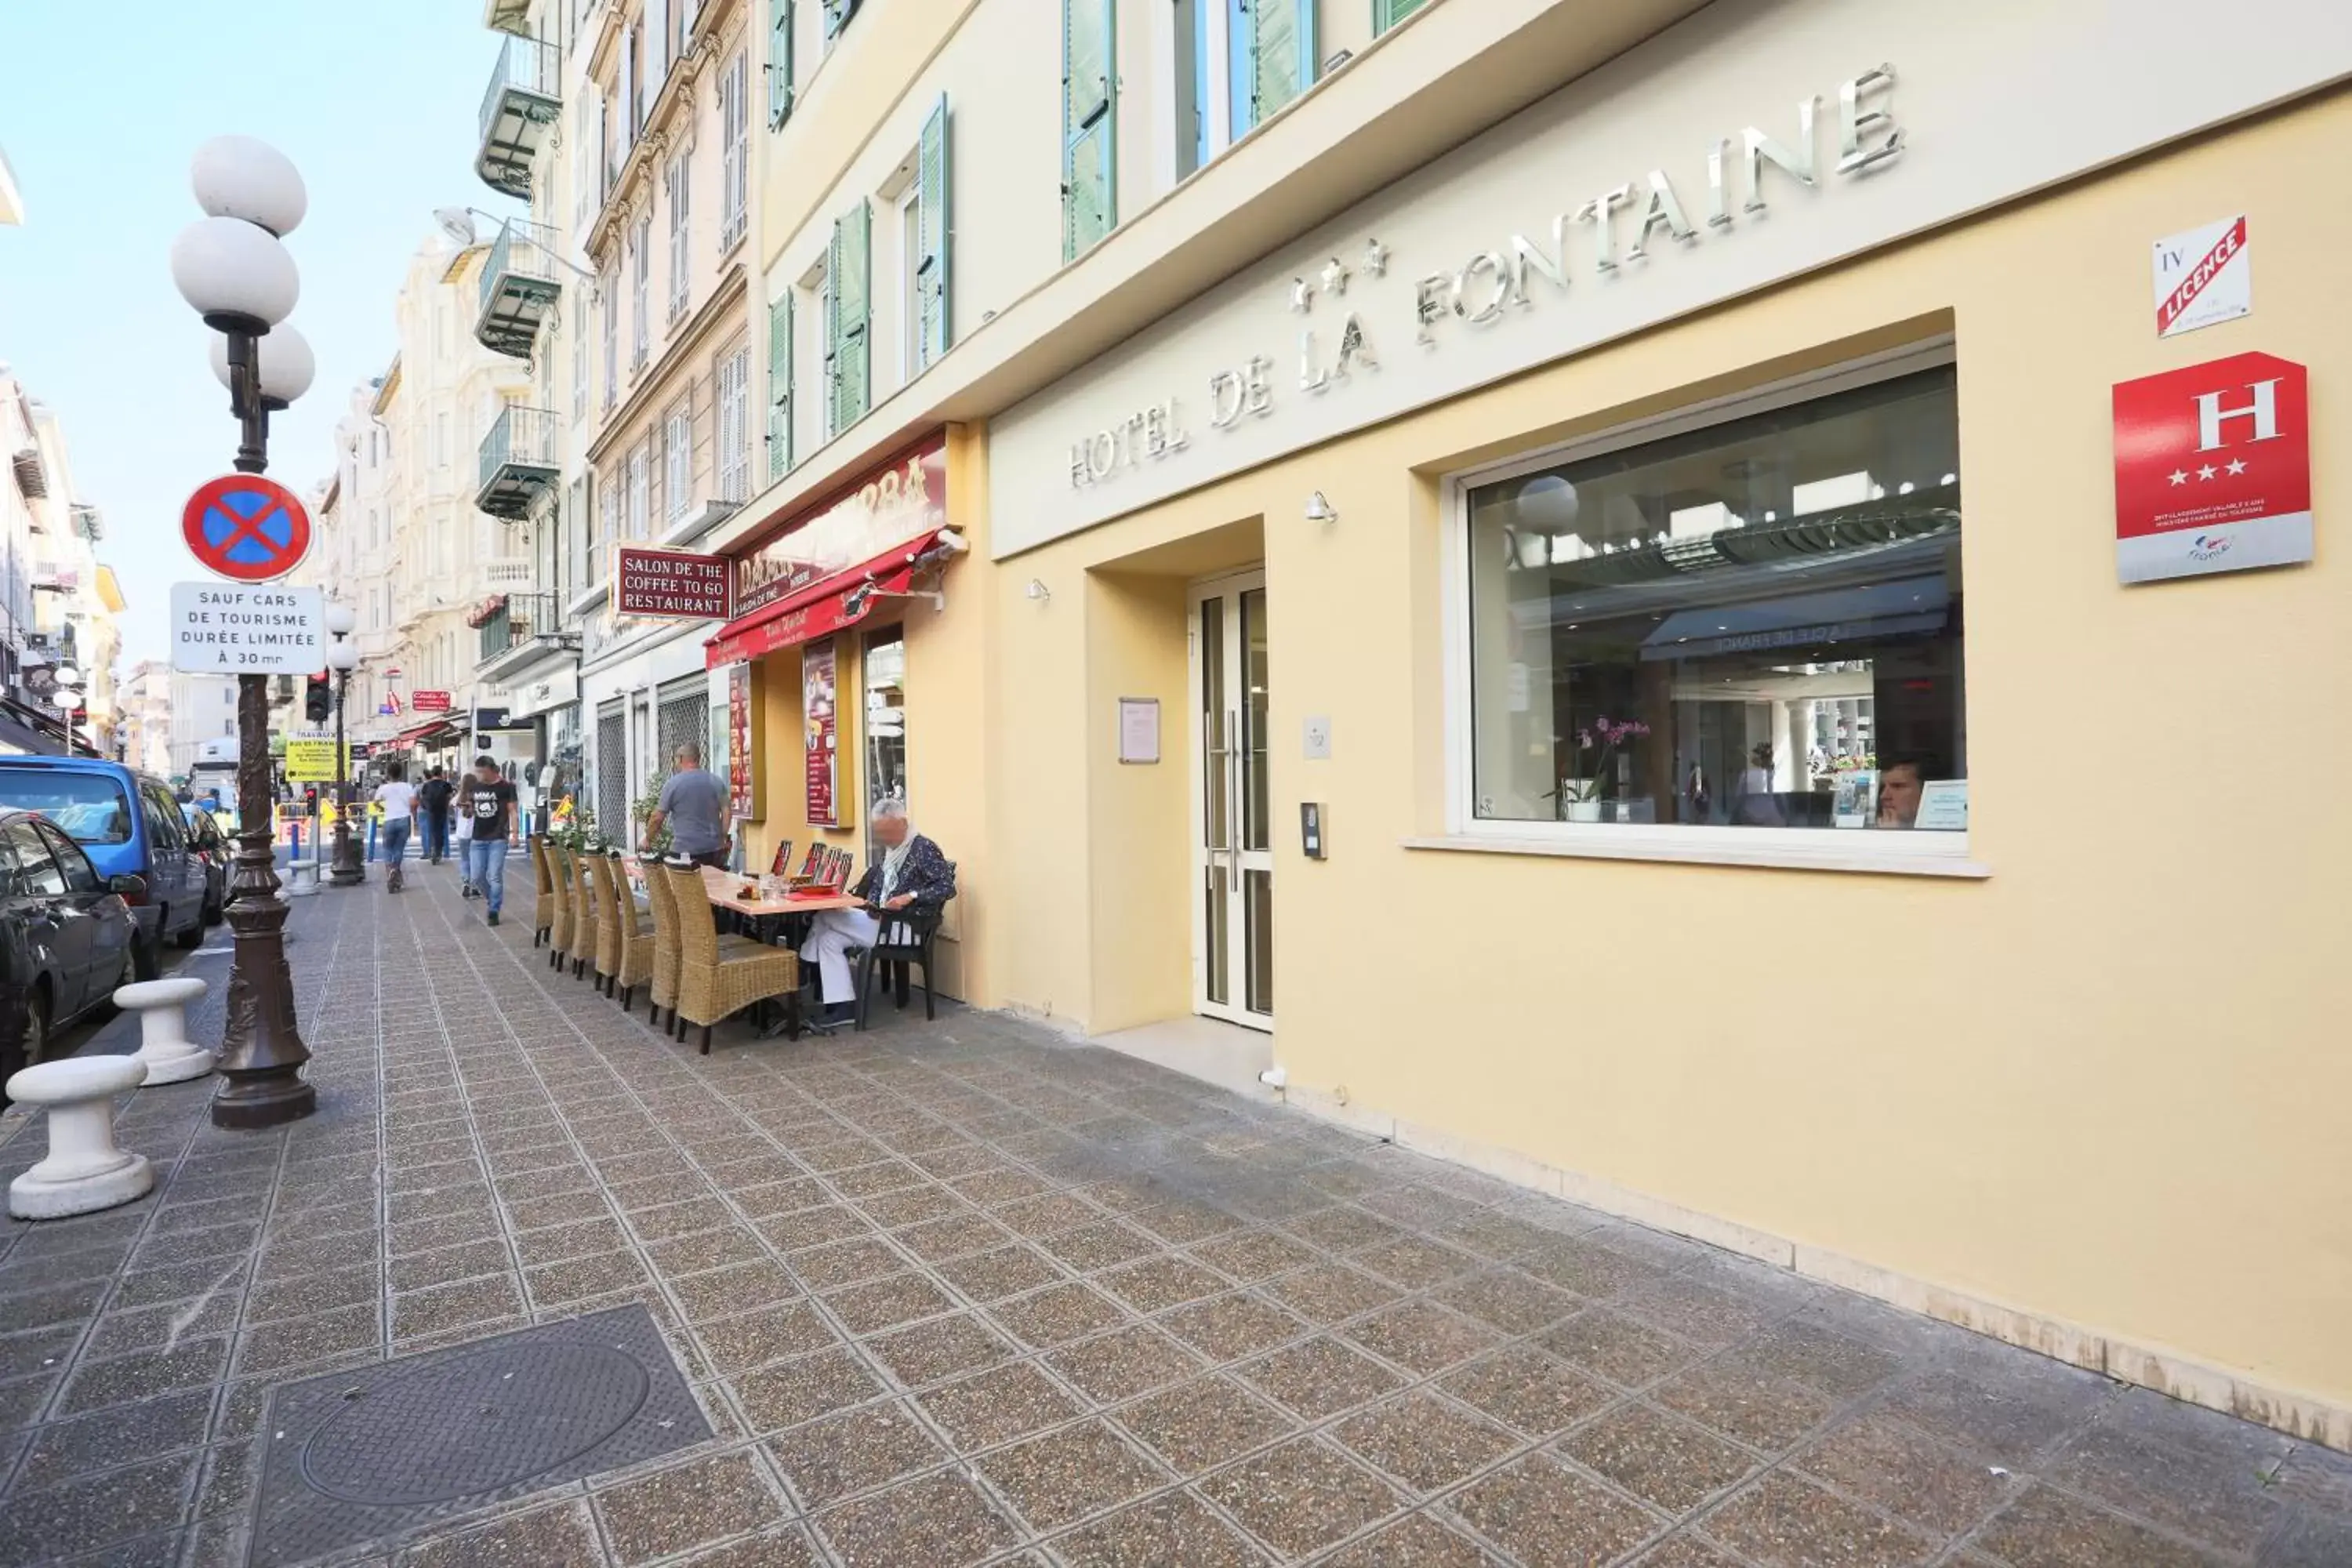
1089,119
938,232
780,388
1282,54
846,319
780,62
838,13
1386,13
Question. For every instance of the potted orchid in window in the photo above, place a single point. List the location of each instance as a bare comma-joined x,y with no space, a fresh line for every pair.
1580,798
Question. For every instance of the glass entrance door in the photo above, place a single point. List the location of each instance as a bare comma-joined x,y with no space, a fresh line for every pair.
1232,839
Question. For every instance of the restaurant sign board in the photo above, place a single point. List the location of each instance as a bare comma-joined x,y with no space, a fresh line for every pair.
669,585
903,499
2212,469
818,706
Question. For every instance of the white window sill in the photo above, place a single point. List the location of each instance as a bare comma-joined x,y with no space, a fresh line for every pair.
1687,847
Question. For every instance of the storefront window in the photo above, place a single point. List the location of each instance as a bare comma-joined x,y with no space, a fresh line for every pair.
1754,624
885,721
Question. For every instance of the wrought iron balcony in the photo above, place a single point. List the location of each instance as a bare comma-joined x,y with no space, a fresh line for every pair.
521,286
518,461
518,109
520,630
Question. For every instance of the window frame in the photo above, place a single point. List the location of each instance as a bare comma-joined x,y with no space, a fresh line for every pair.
1930,853
677,461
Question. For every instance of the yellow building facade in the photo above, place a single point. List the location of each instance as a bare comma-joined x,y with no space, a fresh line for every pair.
1738,381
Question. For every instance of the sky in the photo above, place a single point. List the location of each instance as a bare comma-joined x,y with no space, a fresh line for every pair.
100,108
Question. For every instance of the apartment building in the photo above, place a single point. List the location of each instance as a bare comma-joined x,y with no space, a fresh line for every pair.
203,707
57,604
445,401
144,740
1484,484
353,558
627,127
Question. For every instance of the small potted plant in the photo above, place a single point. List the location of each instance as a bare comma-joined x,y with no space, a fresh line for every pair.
1580,798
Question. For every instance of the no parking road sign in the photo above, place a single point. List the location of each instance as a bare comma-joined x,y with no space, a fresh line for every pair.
247,528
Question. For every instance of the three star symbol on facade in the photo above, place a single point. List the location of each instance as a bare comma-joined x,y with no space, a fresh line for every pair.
2178,476
1376,259
2237,465
1335,277
1302,295
2208,471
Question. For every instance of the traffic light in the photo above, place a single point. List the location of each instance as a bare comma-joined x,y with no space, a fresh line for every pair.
319,700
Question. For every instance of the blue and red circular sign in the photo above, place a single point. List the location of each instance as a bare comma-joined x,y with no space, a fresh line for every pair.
246,527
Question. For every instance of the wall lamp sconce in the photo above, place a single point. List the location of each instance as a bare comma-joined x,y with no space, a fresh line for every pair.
1038,591
1320,511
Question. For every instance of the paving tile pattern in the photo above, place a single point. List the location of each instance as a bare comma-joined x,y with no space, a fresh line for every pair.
966,1293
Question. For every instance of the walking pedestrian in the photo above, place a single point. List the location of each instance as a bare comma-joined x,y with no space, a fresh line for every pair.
434,801
397,802
465,799
694,802
491,807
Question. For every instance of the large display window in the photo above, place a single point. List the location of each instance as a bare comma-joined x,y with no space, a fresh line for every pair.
1747,621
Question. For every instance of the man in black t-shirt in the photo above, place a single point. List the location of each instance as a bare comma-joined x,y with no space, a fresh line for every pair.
492,806
432,810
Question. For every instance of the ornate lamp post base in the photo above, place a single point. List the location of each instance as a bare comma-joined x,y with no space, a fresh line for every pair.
262,1052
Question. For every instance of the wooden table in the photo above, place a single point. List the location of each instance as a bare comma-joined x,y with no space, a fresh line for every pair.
722,886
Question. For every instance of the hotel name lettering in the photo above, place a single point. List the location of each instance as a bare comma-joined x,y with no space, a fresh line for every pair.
1605,234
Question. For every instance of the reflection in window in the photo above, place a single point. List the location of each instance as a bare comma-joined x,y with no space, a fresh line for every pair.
1756,624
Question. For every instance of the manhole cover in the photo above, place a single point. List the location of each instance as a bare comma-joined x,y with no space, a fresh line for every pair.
374,1453
481,1422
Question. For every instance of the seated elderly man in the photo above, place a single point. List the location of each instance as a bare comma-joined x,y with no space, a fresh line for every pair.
912,875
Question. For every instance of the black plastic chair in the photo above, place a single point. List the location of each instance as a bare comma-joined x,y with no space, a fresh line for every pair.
905,937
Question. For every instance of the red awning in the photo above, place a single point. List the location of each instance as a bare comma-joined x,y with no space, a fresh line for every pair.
417,733
818,610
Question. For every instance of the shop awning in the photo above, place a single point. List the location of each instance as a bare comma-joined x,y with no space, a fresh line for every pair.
818,610
424,734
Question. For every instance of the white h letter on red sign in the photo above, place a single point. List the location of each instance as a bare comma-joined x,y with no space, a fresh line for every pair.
2262,410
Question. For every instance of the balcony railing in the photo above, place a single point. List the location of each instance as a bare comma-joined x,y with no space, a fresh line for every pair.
519,108
518,622
520,286
517,461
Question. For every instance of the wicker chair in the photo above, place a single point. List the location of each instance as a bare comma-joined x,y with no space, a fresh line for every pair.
543,913
719,976
584,911
636,937
612,922
664,992
559,875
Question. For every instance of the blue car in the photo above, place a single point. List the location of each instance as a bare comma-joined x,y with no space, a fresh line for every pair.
129,825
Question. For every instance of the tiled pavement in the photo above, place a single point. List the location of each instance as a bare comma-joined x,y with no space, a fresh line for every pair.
965,1293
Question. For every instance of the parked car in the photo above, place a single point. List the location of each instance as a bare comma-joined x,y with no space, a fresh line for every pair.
129,826
66,935
213,845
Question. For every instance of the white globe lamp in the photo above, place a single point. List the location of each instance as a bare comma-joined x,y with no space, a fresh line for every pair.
341,621
236,274
239,177
288,366
342,657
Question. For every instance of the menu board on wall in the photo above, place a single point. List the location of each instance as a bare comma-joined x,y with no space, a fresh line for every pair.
739,741
820,711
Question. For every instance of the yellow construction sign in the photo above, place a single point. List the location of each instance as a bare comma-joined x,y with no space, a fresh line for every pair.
311,762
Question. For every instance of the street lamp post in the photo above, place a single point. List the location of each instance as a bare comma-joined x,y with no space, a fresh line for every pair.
342,657
230,266
69,699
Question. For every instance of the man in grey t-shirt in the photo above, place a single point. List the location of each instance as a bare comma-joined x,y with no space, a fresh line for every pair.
694,804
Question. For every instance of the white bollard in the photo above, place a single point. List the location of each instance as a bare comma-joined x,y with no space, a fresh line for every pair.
301,878
84,1171
169,1056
